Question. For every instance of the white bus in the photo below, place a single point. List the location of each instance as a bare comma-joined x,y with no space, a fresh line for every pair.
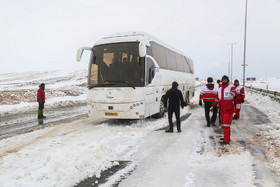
129,74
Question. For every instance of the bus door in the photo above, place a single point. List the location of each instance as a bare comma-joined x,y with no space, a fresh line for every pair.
151,92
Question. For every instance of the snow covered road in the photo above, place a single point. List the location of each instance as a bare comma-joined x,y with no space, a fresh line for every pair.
190,158
67,153
24,122
139,152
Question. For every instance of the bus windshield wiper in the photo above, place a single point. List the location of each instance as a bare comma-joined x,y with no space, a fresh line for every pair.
109,81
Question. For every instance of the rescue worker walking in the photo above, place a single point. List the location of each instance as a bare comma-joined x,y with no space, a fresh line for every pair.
226,93
239,98
41,100
175,99
208,94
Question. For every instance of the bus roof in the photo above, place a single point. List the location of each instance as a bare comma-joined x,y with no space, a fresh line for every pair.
133,37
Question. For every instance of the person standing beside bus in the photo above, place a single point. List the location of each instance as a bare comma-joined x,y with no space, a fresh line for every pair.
208,94
175,99
226,93
239,98
41,100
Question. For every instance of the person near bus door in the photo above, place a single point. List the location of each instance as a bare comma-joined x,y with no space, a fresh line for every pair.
239,98
226,94
175,99
208,94
41,100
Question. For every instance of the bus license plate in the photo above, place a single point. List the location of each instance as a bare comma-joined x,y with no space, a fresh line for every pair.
111,114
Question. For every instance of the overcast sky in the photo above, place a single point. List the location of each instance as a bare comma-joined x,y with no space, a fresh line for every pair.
44,35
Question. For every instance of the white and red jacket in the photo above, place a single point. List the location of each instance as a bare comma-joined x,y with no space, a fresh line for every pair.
208,92
240,94
226,93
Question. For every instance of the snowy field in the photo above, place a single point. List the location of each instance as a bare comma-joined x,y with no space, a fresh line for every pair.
67,153
63,88
272,84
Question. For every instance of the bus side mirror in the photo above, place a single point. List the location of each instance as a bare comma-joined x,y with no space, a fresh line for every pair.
142,48
80,52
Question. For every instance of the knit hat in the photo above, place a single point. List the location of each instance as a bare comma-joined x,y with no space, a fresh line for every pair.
209,79
225,78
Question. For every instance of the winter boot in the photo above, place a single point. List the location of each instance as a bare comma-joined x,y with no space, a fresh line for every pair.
208,124
179,127
40,112
169,130
224,143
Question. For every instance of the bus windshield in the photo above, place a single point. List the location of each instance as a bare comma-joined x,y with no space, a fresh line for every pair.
116,65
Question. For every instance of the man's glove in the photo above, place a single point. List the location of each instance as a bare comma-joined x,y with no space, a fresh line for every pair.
242,101
200,103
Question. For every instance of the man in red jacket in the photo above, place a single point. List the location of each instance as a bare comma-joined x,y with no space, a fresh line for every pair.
226,93
239,98
41,100
208,94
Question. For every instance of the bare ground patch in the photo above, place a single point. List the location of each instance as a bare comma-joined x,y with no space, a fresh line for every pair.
12,97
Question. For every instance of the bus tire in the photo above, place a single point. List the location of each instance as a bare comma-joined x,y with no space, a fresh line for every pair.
187,99
161,112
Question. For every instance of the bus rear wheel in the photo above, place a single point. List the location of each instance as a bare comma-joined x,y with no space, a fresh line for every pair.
187,99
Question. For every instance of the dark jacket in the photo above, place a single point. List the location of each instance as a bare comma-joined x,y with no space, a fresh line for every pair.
175,98
41,95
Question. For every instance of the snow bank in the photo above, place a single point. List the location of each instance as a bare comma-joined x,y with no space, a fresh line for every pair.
270,137
265,104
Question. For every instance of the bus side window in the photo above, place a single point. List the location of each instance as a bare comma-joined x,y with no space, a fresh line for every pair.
150,74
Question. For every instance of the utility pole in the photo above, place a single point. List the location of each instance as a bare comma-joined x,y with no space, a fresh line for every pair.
229,68
231,60
245,33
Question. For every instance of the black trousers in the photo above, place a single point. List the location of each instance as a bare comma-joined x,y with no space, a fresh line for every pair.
207,106
178,120
41,106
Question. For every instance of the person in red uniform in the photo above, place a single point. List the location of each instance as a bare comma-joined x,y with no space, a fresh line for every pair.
208,94
226,93
41,100
239,98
